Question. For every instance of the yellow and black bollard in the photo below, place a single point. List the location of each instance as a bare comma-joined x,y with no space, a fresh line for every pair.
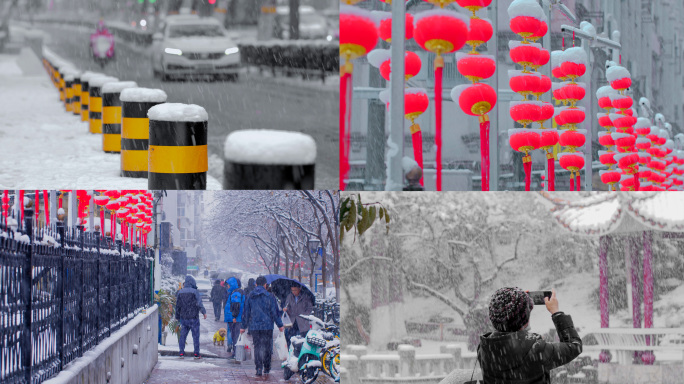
76,95
135,128
95,98
111,115
178,147
68,91
85,96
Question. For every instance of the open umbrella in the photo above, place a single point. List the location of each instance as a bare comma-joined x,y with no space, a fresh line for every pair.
280,286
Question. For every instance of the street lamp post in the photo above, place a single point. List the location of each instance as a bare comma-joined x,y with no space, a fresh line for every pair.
313,248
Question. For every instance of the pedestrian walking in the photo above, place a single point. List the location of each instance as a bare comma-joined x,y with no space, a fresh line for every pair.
260,313
512,354
296,304
233,311
251,284
188,306
218,296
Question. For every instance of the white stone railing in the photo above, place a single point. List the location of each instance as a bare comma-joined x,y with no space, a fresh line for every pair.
404,366
624,341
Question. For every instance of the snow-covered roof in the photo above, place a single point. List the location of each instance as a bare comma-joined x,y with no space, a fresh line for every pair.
602,213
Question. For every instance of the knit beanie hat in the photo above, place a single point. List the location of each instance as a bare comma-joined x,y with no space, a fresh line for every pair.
509,309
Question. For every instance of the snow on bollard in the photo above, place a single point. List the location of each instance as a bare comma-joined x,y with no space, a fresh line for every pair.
95,95
85,96
111,115
69,92
269,159
178,147
135,128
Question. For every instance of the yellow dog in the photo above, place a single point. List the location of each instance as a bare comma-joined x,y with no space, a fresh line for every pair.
220,336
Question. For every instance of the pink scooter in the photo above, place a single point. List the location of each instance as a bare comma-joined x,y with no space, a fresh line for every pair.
102,45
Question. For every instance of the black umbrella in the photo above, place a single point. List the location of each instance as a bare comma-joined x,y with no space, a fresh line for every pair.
280,286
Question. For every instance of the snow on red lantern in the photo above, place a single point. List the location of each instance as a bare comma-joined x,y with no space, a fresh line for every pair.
415,104
574,63
571,117
644,158
606,139
618,77
474,6
604,97
525,112
574,92
657,165
440,31
381,59
524,54
607,158
643,143
623,122
478,100
475,67
479,33
524,83
573,139
610,178
642,127
544,86
525,140
605,121
526,17
358,35
556,69
573,162
385,25
628,162
112,194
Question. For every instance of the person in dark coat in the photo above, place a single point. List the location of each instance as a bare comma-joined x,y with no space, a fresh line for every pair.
251,284
511,354
261,311
233,310
188,306
297,304
218,296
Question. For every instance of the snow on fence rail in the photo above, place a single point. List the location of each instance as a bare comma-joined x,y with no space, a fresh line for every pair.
626,341
404,366
60,298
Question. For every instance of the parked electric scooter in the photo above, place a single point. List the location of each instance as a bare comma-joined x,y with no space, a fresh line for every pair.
102,45
304,356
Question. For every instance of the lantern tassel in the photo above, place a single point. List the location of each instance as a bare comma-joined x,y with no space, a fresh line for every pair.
102,221
637,184
21,204
417,138
527,166
484,151
37,206
552,172
578,184
572,180
46,207
345,100
439,64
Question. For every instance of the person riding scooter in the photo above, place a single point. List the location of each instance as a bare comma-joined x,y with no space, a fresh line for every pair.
102,44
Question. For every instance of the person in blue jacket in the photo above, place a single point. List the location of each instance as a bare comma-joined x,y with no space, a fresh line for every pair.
188,307
261,311
232,314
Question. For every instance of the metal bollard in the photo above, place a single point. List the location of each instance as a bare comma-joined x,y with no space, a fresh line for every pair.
178,147
95,98
269,159
111,115
85,96
135,128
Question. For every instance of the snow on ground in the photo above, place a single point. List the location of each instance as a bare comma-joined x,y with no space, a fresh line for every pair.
42,145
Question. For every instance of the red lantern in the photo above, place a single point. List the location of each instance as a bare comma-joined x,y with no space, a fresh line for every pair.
622,122
628,162
573,162
440,31
525,112
385,28
480,32
544,86
474,5
541,32
475,67
524,54
542,59
381,59
574,63
524,83
618,77
525,140
644,158
547,112
570,117
605,121
556,69
621,102
607,158
611,178
604,97
574,92
643,143
573,139
625,142
415,104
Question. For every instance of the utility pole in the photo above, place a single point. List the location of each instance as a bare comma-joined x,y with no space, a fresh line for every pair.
294,19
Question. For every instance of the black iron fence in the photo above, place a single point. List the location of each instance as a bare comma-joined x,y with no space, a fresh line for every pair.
309,58
62,291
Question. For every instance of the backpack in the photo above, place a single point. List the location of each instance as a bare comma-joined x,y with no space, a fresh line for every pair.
235,302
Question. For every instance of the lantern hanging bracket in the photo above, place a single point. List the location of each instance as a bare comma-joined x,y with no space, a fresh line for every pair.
557,4
596,40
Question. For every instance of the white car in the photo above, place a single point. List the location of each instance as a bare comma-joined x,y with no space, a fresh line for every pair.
188,45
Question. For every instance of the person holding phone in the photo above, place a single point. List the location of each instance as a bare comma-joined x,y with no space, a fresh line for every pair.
512,354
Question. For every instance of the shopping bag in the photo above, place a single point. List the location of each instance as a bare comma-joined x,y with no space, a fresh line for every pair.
280,346
241,348
286,320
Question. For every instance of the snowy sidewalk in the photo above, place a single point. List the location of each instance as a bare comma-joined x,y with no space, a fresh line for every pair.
42,145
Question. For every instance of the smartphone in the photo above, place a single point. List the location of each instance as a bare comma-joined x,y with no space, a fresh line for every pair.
538,296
